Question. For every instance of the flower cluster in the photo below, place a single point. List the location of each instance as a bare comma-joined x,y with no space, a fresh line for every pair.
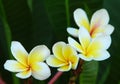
94,40
94,36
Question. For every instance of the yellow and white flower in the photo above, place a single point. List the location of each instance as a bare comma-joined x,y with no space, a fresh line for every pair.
29,64
64,57
97,26
91,48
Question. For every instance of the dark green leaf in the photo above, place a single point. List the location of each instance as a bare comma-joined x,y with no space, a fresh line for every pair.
113,7
89,73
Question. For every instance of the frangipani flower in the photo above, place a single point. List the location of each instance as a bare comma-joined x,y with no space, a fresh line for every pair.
91,48
97,26
65,57
29,64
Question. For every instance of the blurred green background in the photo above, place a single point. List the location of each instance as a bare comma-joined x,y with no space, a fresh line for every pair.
36,22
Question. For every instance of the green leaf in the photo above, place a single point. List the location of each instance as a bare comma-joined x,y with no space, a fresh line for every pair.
56,12
6,28
119,82
5,40
105,74
30,4
19,19
60,14
113,8
89,73
42,31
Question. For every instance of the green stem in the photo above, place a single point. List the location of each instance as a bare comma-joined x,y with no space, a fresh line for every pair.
15,80
8,35
67,12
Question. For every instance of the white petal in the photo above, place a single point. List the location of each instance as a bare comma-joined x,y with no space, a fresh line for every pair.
14,66
81,18
99,18
19,52
108,29
102,56
72,31
75,44
84,37
38,54
85,57
100,43
24,74
41,71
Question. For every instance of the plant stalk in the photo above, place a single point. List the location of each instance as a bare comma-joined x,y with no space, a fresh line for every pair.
56,76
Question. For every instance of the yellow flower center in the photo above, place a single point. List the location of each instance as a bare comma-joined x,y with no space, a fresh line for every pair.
28,67
85,51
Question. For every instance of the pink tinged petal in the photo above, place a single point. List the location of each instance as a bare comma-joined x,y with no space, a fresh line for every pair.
57,50
99,18
19,52
75,44
84,37
74,59
99,43
72,31
24,74
14,66
101,55
54,62
66,67
40,71
86,58
103,30
98,32
81,18
38,54
68,51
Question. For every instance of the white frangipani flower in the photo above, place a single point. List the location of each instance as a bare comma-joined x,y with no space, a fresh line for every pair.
64,57
91,48
97,26
29,64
